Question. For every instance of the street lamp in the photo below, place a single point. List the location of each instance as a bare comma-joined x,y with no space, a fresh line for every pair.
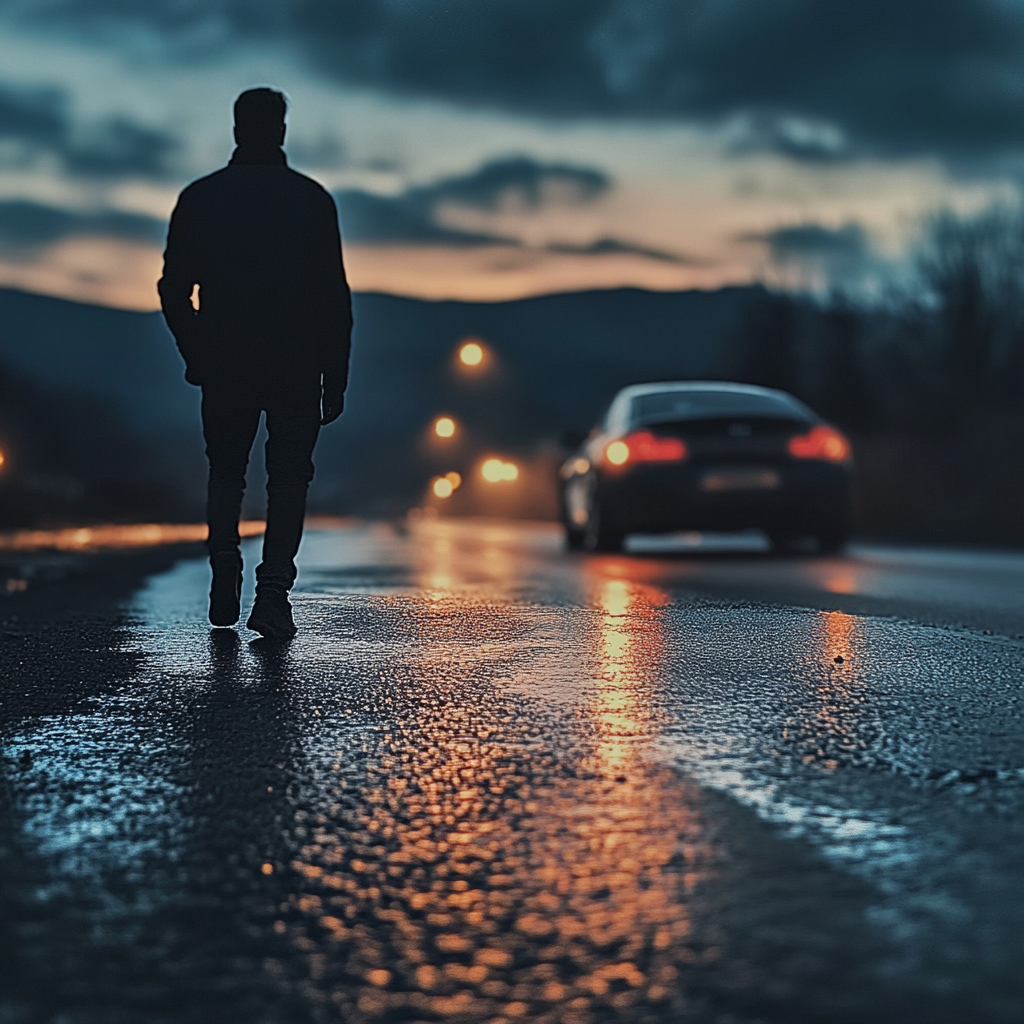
444,426
496,471
471,354
473,357
445,486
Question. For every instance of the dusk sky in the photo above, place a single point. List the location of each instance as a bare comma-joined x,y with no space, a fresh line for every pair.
491,149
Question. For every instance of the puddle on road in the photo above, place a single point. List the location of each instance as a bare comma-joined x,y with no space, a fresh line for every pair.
478,787
827,722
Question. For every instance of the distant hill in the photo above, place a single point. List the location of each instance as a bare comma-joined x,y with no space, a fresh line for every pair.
558,359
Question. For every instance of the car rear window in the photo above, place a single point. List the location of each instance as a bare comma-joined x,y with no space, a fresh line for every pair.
662,406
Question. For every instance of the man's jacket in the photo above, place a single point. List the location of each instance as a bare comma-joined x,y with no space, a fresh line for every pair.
262,243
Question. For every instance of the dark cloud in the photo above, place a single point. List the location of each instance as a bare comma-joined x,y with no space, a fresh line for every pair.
840,257
27,225
409,217
787,135
33,116
606,246
906,76
412,215
816,242
519,177
117,147
366,217
326,151
35,124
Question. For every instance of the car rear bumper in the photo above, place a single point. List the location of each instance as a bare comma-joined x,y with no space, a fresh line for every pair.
777,497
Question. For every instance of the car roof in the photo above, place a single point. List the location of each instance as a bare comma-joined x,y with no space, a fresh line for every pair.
619,416
659,387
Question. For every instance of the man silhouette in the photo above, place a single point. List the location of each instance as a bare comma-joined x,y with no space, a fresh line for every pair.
254,291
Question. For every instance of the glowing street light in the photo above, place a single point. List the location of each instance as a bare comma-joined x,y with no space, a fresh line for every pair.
495,471
444,426
445,486
471,353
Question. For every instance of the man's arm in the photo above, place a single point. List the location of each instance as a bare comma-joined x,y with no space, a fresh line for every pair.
337,333
175,288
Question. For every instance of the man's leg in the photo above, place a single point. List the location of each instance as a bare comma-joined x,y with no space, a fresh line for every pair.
292,431
230,423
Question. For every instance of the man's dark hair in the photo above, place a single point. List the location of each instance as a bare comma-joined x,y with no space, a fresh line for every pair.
259,117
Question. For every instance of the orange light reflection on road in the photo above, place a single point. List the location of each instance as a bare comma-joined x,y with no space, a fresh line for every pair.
501,887
139,535
465,556
841,580
836,630
831,730
631,645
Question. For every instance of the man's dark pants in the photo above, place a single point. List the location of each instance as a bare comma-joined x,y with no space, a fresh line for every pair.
231,418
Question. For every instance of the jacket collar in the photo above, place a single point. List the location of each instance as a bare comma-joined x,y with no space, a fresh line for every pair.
273,156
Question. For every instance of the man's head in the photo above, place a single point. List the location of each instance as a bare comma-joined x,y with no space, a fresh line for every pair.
259,118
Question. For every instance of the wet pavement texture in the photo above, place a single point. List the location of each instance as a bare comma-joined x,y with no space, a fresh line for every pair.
493,781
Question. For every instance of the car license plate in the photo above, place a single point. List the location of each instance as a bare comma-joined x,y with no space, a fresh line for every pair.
741,480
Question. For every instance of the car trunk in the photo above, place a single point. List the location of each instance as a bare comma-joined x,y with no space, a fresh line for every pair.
733,438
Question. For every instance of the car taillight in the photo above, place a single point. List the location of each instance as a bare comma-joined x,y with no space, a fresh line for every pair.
643,446
820,442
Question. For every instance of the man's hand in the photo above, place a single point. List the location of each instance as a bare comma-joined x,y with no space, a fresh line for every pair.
194,372
332,403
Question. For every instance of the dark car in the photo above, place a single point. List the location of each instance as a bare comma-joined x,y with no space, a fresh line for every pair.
708,456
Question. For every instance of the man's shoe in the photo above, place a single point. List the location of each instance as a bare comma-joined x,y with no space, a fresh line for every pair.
226,589
271,614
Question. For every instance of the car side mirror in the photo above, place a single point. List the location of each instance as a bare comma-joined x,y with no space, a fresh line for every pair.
574,437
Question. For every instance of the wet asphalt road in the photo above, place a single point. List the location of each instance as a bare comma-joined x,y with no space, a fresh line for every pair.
491,781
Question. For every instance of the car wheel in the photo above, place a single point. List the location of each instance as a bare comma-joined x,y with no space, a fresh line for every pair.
832,540
781,543
575,500
602,535
832,534
574,539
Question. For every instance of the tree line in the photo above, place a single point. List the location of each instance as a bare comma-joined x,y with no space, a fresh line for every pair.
922,357
928,380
